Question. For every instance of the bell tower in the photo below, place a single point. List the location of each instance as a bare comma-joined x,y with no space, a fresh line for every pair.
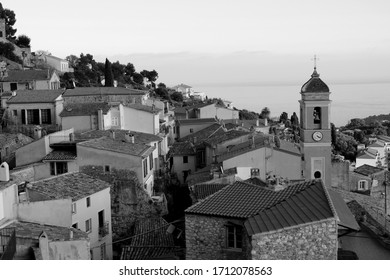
315,131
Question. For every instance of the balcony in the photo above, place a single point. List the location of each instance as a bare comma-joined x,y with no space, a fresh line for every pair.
104,230
7,243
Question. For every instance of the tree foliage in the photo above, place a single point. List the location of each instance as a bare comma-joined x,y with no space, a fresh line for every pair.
294,121
177,96
138,78
10,20
23,41
283,117
108,75
265,113
7,50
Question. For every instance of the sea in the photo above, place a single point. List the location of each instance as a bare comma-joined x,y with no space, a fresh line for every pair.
348,100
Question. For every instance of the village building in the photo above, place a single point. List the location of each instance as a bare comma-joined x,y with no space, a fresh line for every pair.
368,156
185,127
30,108
59,64
111,153
15,80
9,143
368,179
74,200
235,223
185,90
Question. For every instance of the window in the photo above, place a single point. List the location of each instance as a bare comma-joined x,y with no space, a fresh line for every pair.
317,175
14,86
191,130
362,185
88,201
45,116
88,225
107,168
151,161
185,159
75,225
115,121
15,113
74,208
234,236
57,168
317,115
33,116
145,164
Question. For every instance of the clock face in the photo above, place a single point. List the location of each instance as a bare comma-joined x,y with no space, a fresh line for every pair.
317,136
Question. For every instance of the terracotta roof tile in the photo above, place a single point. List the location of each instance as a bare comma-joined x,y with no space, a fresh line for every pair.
367,170
84,109
182,148
139,137
242,200
35,96
61,155
70,185
306,205
27,75
106,143
83,91
141,107
201,191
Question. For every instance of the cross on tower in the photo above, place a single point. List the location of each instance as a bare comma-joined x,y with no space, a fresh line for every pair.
315,61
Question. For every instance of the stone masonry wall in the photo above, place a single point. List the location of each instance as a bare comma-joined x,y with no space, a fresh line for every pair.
125,99
206,239
129,201
315,241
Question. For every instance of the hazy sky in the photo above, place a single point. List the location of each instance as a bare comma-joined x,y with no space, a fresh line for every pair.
218,41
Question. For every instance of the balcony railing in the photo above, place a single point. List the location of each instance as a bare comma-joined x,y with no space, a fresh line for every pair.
104,230
7,243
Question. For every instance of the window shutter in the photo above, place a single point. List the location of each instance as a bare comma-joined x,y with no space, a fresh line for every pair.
23,116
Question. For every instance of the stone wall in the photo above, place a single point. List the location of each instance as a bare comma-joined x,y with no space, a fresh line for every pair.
124,99
315,241
129,201
340,174
206,239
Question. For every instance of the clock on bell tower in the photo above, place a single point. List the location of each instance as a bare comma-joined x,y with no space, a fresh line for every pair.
315,132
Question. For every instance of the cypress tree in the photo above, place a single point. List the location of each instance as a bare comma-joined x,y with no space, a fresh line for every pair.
108,76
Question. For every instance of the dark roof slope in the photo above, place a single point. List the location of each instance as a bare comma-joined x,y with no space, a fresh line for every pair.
346,218
222,137
83,91
145,108
201,191
84,109
35,96
70,185
242,200
314,84
150,241
182,148
211,131
368,170
61,155
27,75
307,205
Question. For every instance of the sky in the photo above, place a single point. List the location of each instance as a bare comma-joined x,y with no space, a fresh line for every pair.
206,42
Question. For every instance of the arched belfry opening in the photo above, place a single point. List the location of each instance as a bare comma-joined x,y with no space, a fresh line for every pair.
317,115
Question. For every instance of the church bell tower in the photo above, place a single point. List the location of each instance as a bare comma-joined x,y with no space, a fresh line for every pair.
315,130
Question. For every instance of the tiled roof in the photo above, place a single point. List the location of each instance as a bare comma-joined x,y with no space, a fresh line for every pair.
139,137
35,96
365,155
150,241
83,91
375,145
195,121
180,110
108,144
310,204
182,148
201,191
61,155
84,109
367,170
242,200
70,185
27,75
34,230
222,137
211,131
145,108
198,177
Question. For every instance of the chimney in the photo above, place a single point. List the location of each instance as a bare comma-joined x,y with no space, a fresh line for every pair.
71,137
257,122
129,137
14,93
265,122
4,172
112,134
